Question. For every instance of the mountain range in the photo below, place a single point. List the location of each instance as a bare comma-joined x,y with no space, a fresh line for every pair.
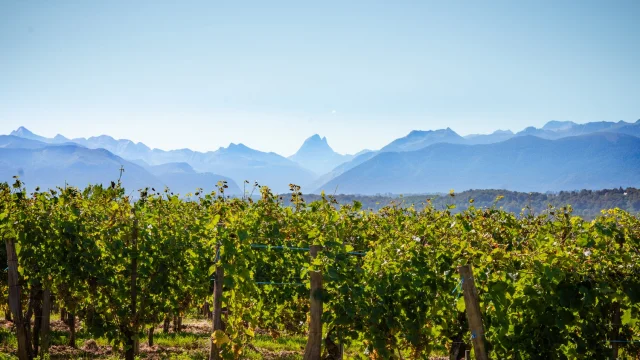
561,155
526,163
46,165
236,161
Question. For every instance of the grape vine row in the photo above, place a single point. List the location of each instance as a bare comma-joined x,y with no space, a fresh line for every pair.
551,285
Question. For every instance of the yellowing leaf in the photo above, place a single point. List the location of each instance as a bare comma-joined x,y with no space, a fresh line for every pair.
214,222
220,338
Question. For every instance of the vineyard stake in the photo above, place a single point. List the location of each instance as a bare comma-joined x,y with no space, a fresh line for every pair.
312,350
214,353
131,343
150,338
615,329
166,324
46,322
472,304
24,346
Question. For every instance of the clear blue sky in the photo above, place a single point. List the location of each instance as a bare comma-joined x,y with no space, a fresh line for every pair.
202,74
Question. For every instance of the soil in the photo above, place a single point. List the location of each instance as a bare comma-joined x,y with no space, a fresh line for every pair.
91,349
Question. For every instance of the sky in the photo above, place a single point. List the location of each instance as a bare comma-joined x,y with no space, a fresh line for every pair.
203,74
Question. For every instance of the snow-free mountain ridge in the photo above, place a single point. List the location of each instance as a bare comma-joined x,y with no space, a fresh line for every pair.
317,166
524,163
316,155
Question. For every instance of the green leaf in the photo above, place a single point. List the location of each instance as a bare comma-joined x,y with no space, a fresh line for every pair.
213,224
626,318
460,305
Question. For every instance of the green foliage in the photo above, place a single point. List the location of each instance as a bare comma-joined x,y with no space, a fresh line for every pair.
548,282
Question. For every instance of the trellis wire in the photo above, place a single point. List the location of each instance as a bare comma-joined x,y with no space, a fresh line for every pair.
281,247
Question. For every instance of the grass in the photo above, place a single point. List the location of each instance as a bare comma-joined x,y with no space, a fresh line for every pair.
181,340
283,343
179,346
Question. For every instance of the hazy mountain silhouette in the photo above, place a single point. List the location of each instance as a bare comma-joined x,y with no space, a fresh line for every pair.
16,142
237,161
50,165
316,155
524,163
413,141
556,125
26,134
123,147
340,169
417,140
561,129
316,165
496,136
183,179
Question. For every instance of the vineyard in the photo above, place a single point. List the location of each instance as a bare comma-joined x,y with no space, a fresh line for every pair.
550,285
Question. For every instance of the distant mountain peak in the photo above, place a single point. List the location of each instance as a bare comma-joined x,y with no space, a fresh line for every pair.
555,125
506,132
418,139
25,133
316,155
447,131
317,142
238,146
22,132
315,138
314,146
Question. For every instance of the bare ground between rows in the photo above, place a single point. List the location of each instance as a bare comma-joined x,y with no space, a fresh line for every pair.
90,349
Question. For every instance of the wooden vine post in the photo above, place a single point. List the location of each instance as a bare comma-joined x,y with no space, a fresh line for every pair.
214,352
150,337
46,322
314,342
615,329
24,345
131,342
474,316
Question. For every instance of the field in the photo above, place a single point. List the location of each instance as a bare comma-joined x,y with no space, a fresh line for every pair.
310,279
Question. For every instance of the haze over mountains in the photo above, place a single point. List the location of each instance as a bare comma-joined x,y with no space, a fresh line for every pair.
316,155
561,155
526,163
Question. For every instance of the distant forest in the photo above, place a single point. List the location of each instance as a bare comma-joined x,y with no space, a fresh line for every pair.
585,203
